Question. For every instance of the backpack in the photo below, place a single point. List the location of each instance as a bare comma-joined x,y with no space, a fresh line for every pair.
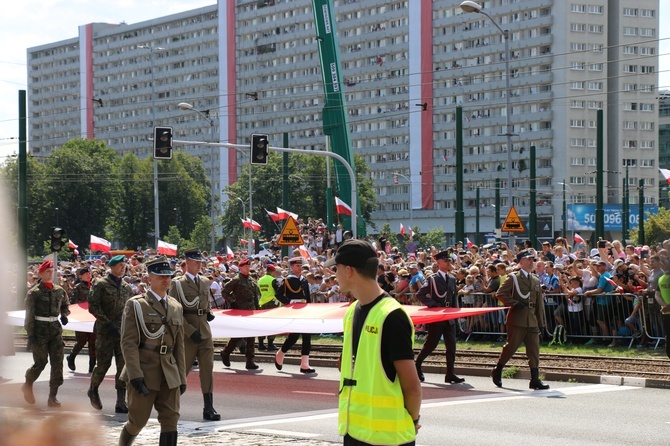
559,337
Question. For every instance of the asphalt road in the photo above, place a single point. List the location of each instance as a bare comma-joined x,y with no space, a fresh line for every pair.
288,404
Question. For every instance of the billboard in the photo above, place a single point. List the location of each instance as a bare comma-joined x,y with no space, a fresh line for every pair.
582,217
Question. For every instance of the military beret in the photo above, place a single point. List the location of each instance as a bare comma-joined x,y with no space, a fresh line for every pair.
244,262
194,254
45,266
270,267
159,267
116,259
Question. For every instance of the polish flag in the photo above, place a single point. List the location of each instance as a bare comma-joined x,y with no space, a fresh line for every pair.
167,249
284,215
304,252
229,253
243,241
76,252
578,239
468,243
402,229
100,244
71,244
411,233
666,174
274,217
251,224
341,207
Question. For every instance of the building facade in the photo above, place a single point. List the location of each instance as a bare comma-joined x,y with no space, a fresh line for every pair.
253,67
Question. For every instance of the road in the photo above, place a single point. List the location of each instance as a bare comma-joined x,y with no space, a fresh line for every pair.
302,409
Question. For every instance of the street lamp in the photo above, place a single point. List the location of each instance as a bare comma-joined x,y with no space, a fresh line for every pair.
411,218
565,210
205,114
244,217
151,49
470,6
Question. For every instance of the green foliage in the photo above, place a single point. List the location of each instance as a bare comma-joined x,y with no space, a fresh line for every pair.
434,237
656,228
201,235
510,372
174,237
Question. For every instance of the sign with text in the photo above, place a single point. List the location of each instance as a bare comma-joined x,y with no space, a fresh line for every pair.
582,217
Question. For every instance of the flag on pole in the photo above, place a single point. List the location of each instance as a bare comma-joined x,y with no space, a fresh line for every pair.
578,239
468,243
274,217
166,248
341,207
402,229
284,215
71,244
229,253
411,233
100,244
304,252
243,241
666,174
251,224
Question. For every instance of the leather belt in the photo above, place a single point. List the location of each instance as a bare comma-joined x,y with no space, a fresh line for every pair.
199,312
46,319
162,349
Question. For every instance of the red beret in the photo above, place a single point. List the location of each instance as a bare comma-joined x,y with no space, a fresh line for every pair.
244,262
45,266
271,267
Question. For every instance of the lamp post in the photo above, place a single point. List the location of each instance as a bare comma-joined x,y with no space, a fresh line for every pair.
411,215
205,114
244,217
151,49
470,6
565,209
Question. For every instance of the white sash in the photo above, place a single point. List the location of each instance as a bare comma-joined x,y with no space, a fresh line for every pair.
516,285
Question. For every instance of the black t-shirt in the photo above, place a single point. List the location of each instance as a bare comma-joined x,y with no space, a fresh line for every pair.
396,335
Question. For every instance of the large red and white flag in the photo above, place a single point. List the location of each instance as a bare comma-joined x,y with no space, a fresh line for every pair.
304,252
284,215
274,217
341,207
666,174
229,253
251,224
166,248
100,244
71,244
578,239
402,229
468,243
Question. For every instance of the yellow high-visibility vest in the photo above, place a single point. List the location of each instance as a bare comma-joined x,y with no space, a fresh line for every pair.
371,407
267,292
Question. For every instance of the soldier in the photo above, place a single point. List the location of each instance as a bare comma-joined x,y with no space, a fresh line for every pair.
525,320
295,289
79,295
439,290
106,302
192,292
152,341
243,294
45,303
268,286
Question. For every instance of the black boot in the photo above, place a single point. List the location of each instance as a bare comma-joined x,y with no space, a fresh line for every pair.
261,344
451,378
121,406
271,346
496,375
419,372
94,396
208,413
242,347
28,395
168,439
535,382
52,401
70,362
251,365
91,364
126,439
225,358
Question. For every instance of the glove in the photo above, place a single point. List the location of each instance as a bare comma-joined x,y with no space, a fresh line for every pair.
210,317
30,344
182,389
63,320
138,384
113,329
521,304
196,337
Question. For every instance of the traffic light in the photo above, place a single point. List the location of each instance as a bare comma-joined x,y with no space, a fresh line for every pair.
163,143
58,239
259,149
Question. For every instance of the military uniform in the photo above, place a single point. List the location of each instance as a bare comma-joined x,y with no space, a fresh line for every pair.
243,294
106,302
152,341
44,307
80,295
192,292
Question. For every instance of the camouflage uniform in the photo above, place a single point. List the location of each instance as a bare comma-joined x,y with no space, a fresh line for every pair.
46,337
243,294
106,302
80,295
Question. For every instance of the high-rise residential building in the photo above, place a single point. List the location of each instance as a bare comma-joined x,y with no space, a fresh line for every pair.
254,67
664,145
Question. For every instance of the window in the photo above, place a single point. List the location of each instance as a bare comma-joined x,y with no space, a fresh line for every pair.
647,32
627,162
577,123
649,13
629,87
595,86
576,161
630,12
577,65
630,49
577,8
630,68
629,125
595,105
646,144
596,47
577,46
578,27
629,31
595,9
577,104
647,88
576,180
630,106
629,144
646,107
647,69
647,126
647,163
596,67
597,29
578,142
577,85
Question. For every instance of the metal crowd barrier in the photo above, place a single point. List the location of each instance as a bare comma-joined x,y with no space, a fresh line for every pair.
651,319
492,324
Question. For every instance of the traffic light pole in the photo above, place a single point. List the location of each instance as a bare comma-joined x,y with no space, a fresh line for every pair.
354,191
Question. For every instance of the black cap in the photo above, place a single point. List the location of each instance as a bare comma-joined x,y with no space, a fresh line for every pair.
352,252
194,254
446,255
526,253
83,270
159,267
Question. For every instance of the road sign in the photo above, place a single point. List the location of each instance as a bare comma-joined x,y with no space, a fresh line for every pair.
512,222
290,235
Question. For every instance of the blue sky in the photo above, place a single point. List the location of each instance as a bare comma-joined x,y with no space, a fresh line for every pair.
29,23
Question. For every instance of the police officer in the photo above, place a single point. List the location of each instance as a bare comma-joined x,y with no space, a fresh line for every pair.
243,294
106,302
45,304
80,295
295,289
152,341
192,291
268,286
439,290
525,319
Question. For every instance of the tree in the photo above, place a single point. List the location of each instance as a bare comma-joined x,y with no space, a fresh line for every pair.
434,237
201,234
656,228
134,219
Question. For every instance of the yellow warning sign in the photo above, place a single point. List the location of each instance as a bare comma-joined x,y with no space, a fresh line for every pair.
290,235
512,222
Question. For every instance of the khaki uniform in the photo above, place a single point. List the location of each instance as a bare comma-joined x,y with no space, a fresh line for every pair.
159,361
106,302
523,323
196,307
44,307
243,294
